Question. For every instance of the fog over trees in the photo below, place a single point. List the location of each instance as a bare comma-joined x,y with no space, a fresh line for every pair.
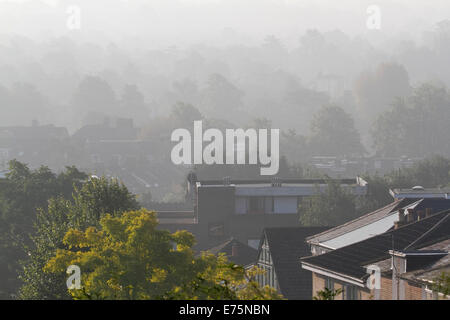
313,69
76,77
91,92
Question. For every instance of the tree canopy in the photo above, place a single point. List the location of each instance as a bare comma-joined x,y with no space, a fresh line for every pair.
129,258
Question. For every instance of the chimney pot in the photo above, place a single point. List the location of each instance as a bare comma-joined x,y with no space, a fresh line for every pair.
420,215
401,215
428,212
410,217
234,250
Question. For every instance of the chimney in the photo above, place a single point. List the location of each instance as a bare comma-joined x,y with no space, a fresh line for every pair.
410,217
401,219
420,215
401,215
428,212
234,250
276,182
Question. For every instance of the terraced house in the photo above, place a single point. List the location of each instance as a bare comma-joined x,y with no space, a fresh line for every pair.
402,263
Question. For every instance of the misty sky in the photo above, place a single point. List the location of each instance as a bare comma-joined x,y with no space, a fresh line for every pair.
169,22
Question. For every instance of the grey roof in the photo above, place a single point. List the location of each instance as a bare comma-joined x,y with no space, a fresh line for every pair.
286,246
357,223
437,204
245,254
441,246
425,193
430,272
350,260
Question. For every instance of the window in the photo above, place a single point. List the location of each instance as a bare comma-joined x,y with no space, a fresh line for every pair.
268,204
351,292
241,205
285,205
329,283
256,205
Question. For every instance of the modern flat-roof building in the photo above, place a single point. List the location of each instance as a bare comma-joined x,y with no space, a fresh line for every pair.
243,208
420,192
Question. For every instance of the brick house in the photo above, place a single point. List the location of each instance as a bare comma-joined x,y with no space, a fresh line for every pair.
401,255
375,223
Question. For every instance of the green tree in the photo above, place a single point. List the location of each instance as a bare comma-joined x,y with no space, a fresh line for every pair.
22,193
414,126
129,258
327,294
93,200
331,207
442,284
333,133
51,226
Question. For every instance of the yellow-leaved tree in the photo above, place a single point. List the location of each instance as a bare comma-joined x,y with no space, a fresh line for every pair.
129,258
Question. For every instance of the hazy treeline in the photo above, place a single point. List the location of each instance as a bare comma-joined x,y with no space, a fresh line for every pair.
70,82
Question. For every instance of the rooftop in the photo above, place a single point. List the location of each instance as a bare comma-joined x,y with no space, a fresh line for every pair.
356,223
236,252
418,192
376,222
350,261
286,246
268,182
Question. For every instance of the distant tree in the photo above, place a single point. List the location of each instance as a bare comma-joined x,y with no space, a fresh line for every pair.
294,146
377,195
26,104
431,172
331,207
333,133
187,91
132,104
376,90
221,98
183,115
416,126
94,96
442,284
